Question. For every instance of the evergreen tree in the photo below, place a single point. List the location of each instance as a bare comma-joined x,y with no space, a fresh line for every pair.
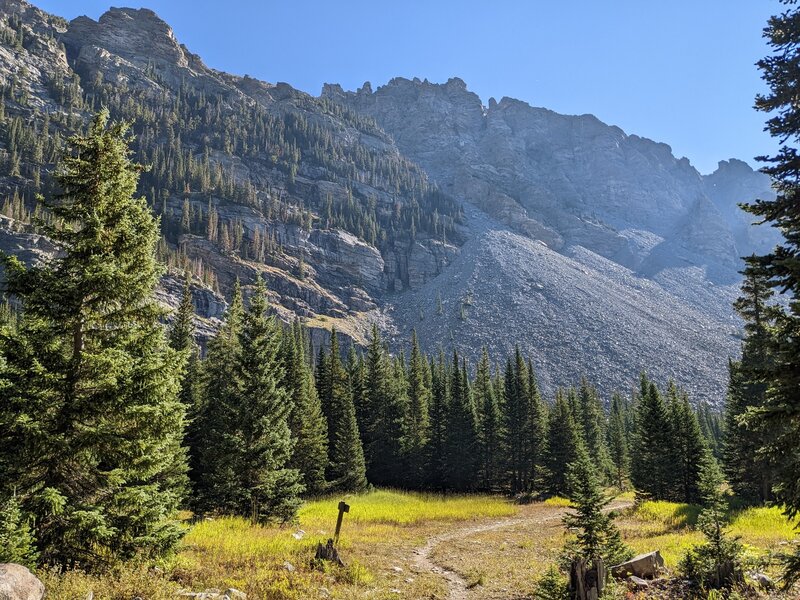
564,445
749,471
597,537
347,470
181,335
438,419
490,432
212,441
306,421
387,417
591,423
417,429
780,414
702,563
618,441
16,536
267,487
537,425
690,450
460,438
91,426
517,423
652,467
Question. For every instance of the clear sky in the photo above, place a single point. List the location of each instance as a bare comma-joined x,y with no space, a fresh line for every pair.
680,72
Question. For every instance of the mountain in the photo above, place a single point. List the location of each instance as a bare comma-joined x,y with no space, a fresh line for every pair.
411,206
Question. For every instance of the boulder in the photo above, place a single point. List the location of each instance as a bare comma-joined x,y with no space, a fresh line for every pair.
763,581
638,583
645,566
18,583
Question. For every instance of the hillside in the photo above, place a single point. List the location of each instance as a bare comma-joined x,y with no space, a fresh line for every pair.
601,252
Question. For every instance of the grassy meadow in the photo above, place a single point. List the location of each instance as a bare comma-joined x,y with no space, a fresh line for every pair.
379,538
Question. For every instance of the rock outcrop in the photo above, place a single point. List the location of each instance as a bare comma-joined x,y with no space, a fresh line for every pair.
600,252
18,583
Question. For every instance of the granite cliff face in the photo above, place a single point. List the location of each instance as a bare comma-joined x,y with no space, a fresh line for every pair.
598,252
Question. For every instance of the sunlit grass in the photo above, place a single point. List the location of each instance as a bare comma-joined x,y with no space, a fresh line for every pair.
403,508
557,501
670,528
274,562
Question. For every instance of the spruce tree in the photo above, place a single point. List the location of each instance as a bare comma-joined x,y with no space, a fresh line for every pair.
438,423
268,488
387,417
418,423
537,427
690,450
91,426
591,422
564,445
347,471
517,423
306,421
212,442
652,456
490,432
618,441
780,414
597,536
460,436
749,471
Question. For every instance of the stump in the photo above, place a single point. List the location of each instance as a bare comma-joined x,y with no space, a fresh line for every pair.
586,583
328,552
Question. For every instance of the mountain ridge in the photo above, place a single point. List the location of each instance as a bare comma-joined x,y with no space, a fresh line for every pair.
358,206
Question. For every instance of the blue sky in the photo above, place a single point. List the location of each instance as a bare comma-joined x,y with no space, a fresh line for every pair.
680,72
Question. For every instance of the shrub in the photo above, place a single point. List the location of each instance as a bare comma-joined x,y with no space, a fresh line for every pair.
16,536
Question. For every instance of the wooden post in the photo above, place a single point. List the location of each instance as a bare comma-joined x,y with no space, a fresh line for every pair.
586,583
343,508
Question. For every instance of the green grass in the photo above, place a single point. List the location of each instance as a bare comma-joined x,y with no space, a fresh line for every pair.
669,527
404,508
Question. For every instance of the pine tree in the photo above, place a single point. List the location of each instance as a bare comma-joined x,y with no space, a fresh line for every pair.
780,414
490,432
750,471
211,435
438,419
387,416
306,421
618,441
347,467
537,423
460,438
564,445
702,562
652,456
91,425
690,449
417,428
267,487
597,536
516,421
591,422
181,335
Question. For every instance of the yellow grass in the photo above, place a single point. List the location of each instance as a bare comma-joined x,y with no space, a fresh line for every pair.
378,538
669,527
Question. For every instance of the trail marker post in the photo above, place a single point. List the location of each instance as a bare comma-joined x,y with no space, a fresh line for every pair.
343,508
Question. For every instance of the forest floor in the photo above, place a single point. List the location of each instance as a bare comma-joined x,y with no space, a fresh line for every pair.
399,545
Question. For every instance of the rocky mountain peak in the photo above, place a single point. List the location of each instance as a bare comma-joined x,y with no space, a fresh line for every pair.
138,36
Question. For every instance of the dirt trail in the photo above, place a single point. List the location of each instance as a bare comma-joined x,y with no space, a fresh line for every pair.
423,561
